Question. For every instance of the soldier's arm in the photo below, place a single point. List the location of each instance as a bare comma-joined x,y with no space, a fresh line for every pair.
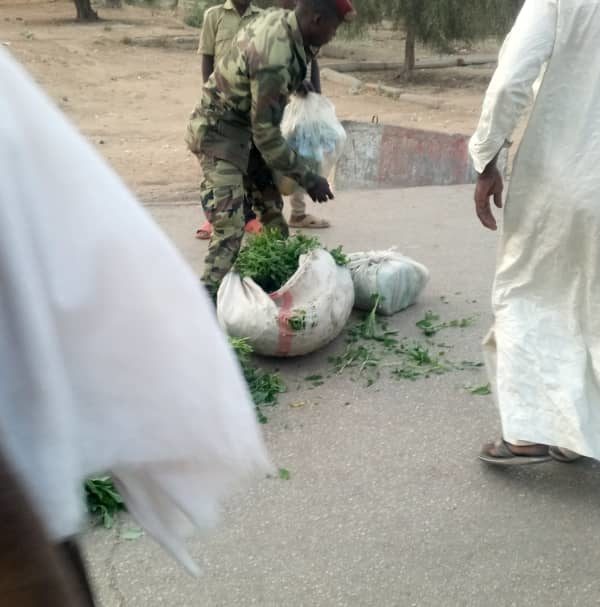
207,43
270,89
208,66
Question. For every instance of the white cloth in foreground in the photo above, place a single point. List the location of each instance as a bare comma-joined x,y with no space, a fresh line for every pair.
110,354
544,349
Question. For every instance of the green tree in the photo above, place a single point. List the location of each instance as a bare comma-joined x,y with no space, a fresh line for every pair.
438,22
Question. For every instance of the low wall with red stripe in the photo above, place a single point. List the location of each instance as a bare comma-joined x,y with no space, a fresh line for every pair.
379,156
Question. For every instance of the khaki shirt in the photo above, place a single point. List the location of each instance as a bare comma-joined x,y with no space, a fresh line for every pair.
221,24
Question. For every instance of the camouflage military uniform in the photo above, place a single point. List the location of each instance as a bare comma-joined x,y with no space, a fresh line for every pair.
220,26
235,131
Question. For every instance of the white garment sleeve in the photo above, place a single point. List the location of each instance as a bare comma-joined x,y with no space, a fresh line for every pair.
525,51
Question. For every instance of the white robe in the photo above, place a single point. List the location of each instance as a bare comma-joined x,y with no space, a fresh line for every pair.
544,350
111,359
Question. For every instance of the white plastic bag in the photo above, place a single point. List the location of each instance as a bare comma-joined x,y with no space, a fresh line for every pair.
313,130
398,280
308,312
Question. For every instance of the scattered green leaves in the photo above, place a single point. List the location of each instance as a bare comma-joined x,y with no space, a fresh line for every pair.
419,362
484,390
362,358
265,387
468,364
297,322
339,256
103,500
431,324
284,474
315,380
372,347
368,327
373,328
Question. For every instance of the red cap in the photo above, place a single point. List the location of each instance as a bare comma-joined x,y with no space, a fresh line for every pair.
345,10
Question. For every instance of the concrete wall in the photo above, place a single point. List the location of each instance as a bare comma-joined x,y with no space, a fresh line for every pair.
379,156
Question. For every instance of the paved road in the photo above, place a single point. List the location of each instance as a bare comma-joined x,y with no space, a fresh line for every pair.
387,504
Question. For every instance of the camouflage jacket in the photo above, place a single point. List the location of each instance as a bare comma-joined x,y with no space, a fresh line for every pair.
244,99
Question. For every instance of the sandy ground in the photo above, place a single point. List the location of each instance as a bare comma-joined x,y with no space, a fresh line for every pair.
133,101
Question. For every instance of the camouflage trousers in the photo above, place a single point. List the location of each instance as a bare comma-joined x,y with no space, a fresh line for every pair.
225,191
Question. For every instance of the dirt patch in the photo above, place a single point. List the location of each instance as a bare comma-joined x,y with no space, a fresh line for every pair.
434,80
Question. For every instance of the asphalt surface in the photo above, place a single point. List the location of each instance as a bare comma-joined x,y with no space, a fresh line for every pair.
387,504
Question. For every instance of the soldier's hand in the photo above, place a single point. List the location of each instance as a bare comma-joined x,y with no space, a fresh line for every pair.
305,88
320,191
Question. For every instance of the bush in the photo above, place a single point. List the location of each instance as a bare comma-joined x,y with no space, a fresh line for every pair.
195,11
196,16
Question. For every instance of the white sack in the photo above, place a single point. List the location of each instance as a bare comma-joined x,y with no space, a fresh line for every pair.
397,279
317,300
111,359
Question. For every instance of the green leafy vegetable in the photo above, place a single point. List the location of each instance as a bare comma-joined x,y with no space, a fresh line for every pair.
467,364
298,321
430,324
339,256
419,362
361,358
314,378
264,386
481,390
103,500
372,348
373,328
271,260
284,474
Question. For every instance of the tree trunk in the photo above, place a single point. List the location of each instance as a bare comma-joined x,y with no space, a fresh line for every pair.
409,51
85,12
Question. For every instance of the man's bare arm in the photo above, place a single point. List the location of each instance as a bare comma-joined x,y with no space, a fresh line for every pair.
208,66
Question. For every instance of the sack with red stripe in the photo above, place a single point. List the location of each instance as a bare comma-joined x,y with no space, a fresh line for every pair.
305,314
